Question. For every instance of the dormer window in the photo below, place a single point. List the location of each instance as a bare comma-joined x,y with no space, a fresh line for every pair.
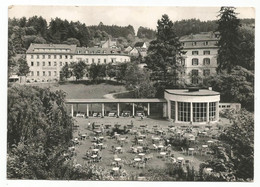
78,52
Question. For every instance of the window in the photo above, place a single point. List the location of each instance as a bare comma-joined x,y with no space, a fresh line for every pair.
183,111
43,73
206,43
105,60
206,52
183,62
66,56
195,52
113,60
99,60
60,56
49,63
31,63
93,60
38,63
206,72
31,56
183,44
43,56
55,63
70,56
55,56
195,61
173,110
60,63
38,73
194,43
55,73
195,74
206,61
86,60
199,112
49,56
212,111
49,73
43,63
38,56
32,73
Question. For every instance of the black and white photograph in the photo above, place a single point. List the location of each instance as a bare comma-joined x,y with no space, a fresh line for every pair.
130,93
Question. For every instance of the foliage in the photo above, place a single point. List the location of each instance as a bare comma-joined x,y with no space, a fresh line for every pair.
79,69
121,71
111,72
11,55
234,157
39,130
144,32
164,54
71,41
228,52
23,67
65,72
236,86
97,71
138,79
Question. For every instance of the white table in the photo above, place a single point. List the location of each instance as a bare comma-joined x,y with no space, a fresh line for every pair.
117,159
137,159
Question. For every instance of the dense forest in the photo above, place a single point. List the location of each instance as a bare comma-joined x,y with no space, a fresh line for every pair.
36,29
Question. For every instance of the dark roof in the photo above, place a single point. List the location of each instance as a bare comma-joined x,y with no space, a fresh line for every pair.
204,36
51,48
139,44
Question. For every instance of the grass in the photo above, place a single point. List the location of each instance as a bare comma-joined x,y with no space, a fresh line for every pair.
83,90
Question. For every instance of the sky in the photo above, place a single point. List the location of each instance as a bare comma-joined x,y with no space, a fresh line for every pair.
122,15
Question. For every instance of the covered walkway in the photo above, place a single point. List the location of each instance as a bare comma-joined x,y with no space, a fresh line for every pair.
118,101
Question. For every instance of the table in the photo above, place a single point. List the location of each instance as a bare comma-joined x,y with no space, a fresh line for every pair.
122,139
210,141
100,145
156,138
137,159
190,150
204,146
163,153
118,148
117,159
115,168
95,150
83,136
141,154
160,146
180,159
142,135
93,156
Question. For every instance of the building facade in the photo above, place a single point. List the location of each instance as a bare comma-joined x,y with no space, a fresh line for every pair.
46,60
192,105
200,59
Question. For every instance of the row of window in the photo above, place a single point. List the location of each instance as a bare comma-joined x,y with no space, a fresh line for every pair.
195,72
99,60
205,43
54,56
199,111
195,61
44,73
48,63
197,52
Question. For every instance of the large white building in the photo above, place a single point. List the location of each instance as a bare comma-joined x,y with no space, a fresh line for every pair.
200,59
46,60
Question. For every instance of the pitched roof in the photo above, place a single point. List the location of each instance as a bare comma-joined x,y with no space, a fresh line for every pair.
204,36
51,48
139,44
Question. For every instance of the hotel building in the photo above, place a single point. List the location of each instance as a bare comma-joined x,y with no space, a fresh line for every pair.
46,60
200,59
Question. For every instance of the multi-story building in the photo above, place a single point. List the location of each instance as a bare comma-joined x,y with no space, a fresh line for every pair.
46,60
200,59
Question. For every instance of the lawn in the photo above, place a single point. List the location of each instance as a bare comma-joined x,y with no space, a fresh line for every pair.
82,90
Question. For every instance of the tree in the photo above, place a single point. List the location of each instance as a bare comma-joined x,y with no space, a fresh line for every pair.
228,52
93,71
120,71
71,41
164,55
65,72
236,86
234,156
138,80
23,69
11,54
111,72
79,69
